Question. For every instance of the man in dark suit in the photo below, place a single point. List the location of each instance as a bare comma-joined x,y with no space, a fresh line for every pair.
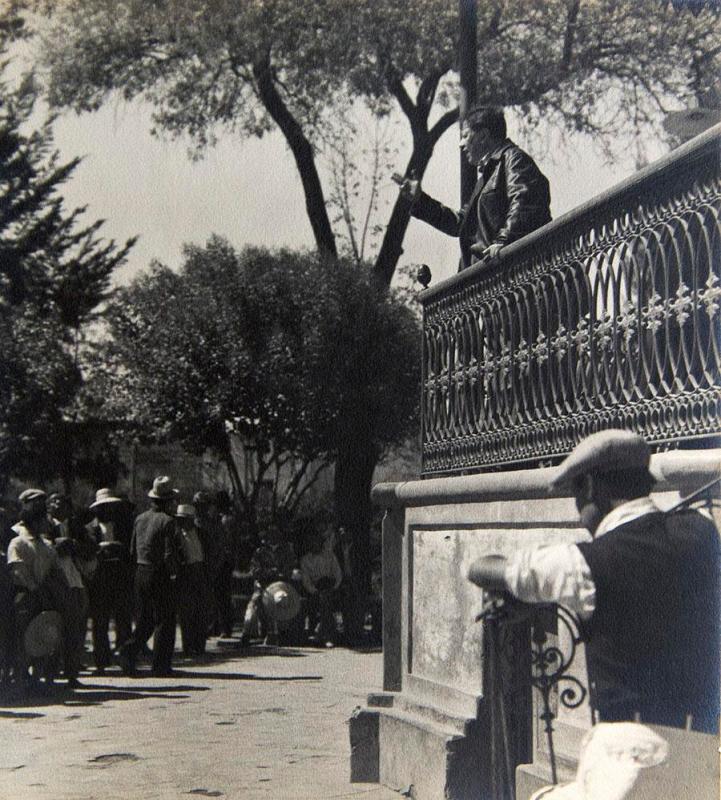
154,549
511,197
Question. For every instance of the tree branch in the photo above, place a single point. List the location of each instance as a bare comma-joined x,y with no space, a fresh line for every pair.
307,486
396,88
427,91
569,35
302,152
442,125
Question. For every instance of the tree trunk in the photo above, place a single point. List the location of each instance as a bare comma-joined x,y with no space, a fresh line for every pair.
302,152
391,248
354,470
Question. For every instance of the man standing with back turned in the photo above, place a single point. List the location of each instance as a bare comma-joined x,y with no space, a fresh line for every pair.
154,549
646,589
511,197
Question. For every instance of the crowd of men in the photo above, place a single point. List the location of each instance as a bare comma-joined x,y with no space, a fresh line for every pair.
173,563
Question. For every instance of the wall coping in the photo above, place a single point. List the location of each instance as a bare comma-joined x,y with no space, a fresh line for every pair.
683,471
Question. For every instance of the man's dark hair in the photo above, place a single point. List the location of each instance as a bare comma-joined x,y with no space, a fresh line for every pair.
489,117
628,484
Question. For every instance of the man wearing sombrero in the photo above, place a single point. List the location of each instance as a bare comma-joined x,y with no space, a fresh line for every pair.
40,582
111,587
646,588
154,550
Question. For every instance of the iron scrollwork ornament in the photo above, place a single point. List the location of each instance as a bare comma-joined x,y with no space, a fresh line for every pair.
550,662
549,671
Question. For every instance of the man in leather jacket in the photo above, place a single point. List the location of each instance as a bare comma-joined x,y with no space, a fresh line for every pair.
511,197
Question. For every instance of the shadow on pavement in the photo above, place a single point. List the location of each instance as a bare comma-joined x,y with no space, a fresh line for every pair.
366,649
91,696
19,715
234,676
259,650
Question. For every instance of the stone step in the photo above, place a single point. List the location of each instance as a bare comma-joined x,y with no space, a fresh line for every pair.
426,722
424,710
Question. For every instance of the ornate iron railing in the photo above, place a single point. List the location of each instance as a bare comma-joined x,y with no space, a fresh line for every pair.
606,317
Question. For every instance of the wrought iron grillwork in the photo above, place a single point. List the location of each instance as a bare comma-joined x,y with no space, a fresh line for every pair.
607,317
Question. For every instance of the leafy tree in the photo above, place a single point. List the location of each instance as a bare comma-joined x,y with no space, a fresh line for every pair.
212,67
265,358
53,275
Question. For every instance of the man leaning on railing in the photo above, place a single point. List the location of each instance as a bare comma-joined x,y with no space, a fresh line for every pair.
646,589
511,197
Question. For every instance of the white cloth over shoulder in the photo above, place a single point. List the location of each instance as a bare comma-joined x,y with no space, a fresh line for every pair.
559,573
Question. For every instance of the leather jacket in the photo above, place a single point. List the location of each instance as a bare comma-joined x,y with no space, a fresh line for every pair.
511,198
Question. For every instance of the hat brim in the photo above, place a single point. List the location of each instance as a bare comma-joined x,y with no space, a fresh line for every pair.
108,501
168,496
35,495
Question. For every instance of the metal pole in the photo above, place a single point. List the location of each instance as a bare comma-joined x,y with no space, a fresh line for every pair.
468,68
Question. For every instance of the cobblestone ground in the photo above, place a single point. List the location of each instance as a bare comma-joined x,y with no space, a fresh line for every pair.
261,723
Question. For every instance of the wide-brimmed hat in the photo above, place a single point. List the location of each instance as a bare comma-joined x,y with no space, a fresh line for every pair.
605,451
103,497
162,489
44,635
281,601
185,511
31,494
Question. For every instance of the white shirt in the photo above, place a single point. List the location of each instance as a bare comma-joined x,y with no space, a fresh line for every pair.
30,557
315,566
107,531
559,573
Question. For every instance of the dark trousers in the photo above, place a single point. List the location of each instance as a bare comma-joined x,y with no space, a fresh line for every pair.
222,589
193,607
321,604
155,608
111,597
76,628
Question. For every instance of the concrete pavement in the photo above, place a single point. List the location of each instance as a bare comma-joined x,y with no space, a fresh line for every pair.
254,724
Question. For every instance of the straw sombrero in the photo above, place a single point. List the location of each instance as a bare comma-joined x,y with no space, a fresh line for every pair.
281,601
44,635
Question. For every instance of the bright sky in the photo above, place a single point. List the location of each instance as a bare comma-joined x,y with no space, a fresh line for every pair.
249,190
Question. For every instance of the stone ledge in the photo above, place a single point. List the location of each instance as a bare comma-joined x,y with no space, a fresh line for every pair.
683,470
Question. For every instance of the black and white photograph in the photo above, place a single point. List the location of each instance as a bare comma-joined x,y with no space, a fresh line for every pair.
360,399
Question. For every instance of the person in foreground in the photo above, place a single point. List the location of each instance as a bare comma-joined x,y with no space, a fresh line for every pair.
511,197
645,589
